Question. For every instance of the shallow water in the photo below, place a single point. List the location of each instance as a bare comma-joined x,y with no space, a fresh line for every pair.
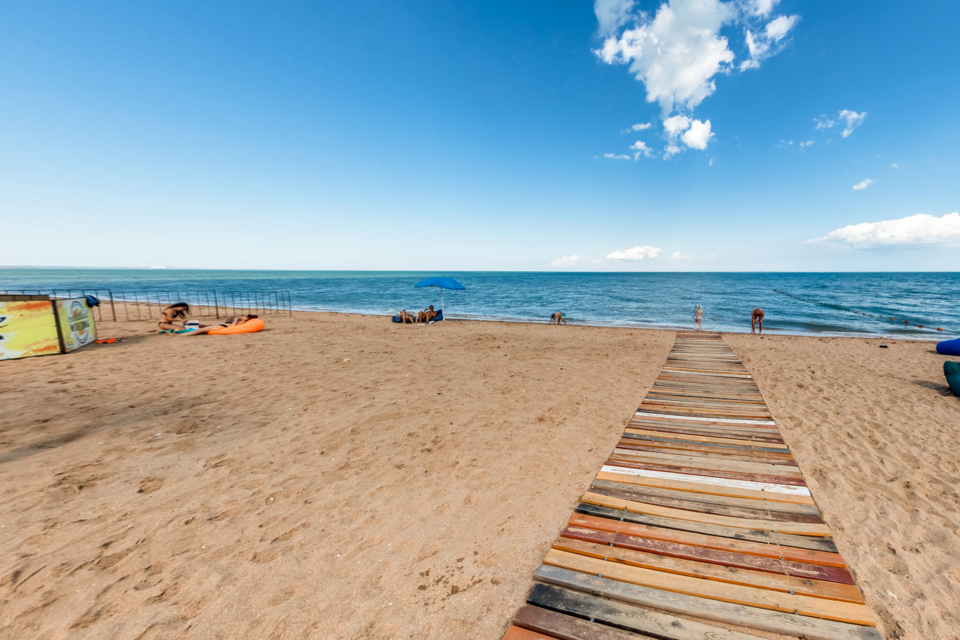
825,303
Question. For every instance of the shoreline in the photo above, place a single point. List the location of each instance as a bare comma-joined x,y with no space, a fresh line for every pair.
771,331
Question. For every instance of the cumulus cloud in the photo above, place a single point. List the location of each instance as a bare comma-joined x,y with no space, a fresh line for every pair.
698,135
894,165
768,41
760,8
641,149
636,253
676,53
860,186
641,127
678,256
852,119
614,156
566,261
823,122
806,144
921,228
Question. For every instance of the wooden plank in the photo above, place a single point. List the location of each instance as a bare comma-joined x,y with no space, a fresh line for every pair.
699,437
738,561
564,627
640,619
748,503
703,460
721,478
725,592
703,452
780,498
519,633
650,414
632,434
749,617
708,507
699,472
799,528
709,570
759,453
759,543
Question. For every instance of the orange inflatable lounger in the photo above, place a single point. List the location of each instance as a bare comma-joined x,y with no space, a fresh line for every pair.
250,326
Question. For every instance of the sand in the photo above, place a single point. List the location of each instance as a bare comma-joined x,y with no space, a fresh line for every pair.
343,477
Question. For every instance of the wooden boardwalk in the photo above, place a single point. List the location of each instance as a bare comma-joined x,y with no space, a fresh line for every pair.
699,516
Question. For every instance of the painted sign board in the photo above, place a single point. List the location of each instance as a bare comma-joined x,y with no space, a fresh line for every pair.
40,326
77,327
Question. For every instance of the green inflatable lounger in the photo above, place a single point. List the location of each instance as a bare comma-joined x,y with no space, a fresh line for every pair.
952,371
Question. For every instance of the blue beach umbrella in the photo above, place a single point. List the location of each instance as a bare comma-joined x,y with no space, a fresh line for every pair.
443,283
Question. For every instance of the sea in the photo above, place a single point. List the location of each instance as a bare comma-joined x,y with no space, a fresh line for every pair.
838,304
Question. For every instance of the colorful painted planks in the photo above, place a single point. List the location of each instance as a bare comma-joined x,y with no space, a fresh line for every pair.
699,515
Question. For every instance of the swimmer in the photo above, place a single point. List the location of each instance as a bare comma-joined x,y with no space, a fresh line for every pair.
756,318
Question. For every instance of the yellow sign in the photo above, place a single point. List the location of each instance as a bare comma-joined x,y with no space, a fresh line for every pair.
76,323
27,328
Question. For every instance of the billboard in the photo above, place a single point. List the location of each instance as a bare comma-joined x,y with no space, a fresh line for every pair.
77,327
27,328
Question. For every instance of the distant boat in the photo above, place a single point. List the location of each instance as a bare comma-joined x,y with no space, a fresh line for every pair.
158,267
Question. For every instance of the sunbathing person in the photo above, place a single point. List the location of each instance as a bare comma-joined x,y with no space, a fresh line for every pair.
178,311
407,317
426,315
208,329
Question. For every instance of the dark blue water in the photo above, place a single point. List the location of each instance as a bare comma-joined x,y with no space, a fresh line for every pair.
614,299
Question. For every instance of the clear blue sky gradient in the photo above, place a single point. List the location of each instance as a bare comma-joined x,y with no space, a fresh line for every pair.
455,135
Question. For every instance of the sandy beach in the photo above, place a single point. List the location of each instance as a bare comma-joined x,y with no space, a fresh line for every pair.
339,476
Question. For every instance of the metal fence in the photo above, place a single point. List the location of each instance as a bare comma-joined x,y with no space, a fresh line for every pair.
147,305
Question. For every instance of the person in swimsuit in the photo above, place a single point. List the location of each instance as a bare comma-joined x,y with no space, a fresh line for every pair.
209,328
177,311
426,315
557,318
698,319
407,317
756,317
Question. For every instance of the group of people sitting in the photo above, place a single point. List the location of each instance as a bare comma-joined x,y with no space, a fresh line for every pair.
174,320
425,316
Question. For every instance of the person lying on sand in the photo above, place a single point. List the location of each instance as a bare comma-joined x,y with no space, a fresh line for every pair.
178,311
426,315
557,318
756,316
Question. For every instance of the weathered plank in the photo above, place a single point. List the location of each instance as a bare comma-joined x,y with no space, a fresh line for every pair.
761,543
519,633
702,477
627,616
564,627
694,487
750,617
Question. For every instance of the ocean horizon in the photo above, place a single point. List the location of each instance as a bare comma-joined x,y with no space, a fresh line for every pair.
845,304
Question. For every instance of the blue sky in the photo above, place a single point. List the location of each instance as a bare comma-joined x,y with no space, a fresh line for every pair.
454,135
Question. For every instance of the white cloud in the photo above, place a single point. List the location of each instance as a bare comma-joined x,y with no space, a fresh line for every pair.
761,8
767,42
698,135
853,119
612,14
641,149
860,186
894,165
678,256
637,253
918,229
823,122
710,164
806,144
693,133
641,127
566,261
614,156
676,53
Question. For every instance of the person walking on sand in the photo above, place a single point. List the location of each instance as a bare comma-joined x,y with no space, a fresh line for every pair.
698,319
557,318
756,317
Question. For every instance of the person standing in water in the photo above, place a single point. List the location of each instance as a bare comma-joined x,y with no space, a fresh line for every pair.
698,319
756,318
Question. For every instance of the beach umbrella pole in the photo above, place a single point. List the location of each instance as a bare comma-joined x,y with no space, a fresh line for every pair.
442,310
